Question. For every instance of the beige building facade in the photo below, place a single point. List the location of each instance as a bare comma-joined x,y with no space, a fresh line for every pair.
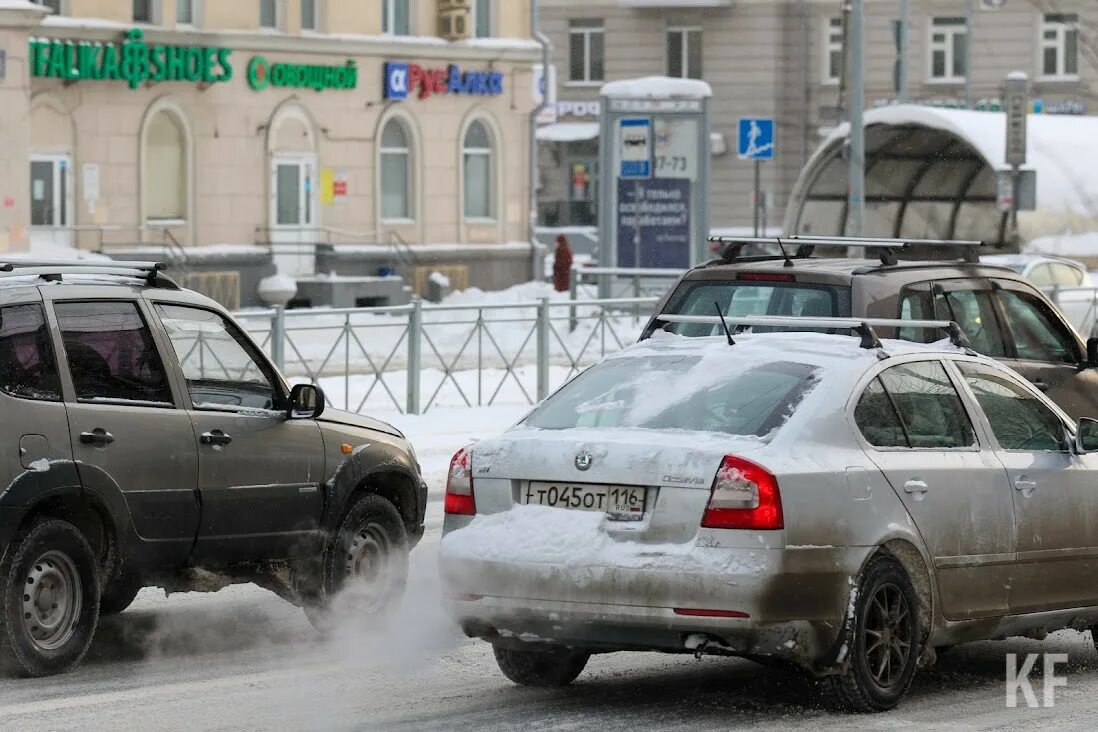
257,121
782,59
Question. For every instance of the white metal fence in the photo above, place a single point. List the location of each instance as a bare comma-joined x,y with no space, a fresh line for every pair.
420,356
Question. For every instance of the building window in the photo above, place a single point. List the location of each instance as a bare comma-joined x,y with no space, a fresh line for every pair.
184,12
268,14
586,41
482,18
833,51
144,11
684,53
1060,45
396,172
948,38
310,20
165,170
478,155
395,18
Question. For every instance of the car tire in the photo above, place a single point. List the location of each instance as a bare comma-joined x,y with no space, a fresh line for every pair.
886,613
554,667
365,569
50,599
119,594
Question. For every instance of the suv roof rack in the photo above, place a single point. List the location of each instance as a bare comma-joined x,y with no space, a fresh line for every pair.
862,326
55,269
884,248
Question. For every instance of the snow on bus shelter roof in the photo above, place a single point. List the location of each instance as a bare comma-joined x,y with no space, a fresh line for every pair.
931,173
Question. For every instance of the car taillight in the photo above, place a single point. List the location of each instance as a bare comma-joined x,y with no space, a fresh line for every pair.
744,496
459,485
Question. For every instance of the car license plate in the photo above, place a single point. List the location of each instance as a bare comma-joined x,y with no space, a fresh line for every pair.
618,502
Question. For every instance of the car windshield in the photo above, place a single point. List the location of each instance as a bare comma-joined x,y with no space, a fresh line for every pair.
750,297
679,393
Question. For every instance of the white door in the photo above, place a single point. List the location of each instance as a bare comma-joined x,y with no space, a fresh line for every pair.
51,187
293,213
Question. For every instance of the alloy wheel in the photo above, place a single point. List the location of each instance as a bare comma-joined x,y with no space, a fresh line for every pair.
887,635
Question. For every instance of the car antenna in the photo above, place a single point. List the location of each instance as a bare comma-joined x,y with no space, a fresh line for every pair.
724,322
788,261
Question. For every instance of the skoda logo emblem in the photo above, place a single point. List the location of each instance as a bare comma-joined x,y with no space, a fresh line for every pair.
583,460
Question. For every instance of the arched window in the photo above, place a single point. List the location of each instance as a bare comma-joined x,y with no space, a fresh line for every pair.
165,174
479,172
396,172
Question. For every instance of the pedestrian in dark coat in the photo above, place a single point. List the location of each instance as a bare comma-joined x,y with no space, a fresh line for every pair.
562,264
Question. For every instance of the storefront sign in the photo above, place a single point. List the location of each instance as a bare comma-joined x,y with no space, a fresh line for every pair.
262,74
579,109
133,61
403,79
654,220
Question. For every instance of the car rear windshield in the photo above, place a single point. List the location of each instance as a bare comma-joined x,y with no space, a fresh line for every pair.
740,298
679,393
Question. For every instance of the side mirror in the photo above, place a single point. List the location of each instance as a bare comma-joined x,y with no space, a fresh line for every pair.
306,402
1086,436
1092,352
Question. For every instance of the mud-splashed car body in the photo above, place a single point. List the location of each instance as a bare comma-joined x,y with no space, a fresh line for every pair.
147,441
795,496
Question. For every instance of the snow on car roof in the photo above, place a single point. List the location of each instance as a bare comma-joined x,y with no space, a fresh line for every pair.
818,349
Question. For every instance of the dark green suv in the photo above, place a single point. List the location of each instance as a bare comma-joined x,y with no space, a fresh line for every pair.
147,441
1003,314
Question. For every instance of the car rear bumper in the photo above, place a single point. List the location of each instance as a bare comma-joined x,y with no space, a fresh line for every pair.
793,602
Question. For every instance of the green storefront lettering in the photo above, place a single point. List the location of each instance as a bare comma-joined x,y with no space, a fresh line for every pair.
263,74
134,61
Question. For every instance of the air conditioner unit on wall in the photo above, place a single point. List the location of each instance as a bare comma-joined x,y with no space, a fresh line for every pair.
454,19
453,25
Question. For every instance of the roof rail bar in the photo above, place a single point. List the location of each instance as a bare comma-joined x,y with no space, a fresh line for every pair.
885,248
55,268
863,326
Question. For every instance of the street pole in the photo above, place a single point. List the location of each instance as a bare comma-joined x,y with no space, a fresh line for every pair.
968,54
855,216
755,200
905,24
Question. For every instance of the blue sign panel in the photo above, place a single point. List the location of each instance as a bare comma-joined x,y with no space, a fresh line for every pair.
635,148
654,217
396,80
756,138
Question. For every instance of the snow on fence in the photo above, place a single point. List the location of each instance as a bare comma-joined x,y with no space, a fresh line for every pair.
419,356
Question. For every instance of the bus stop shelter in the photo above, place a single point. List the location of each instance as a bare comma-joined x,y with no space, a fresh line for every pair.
932,173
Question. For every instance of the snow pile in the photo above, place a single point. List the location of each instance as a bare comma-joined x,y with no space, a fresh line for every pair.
54,252
578,540
526,292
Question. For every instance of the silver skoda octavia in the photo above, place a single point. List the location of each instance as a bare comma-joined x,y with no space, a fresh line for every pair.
842,503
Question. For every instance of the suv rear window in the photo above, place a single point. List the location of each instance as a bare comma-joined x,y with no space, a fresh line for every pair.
739,298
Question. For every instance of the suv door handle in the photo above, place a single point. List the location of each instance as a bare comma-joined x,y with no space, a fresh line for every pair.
1025,486
1042,386
215,437
98,436
915,486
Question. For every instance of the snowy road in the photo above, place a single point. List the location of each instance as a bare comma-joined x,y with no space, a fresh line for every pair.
243,659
